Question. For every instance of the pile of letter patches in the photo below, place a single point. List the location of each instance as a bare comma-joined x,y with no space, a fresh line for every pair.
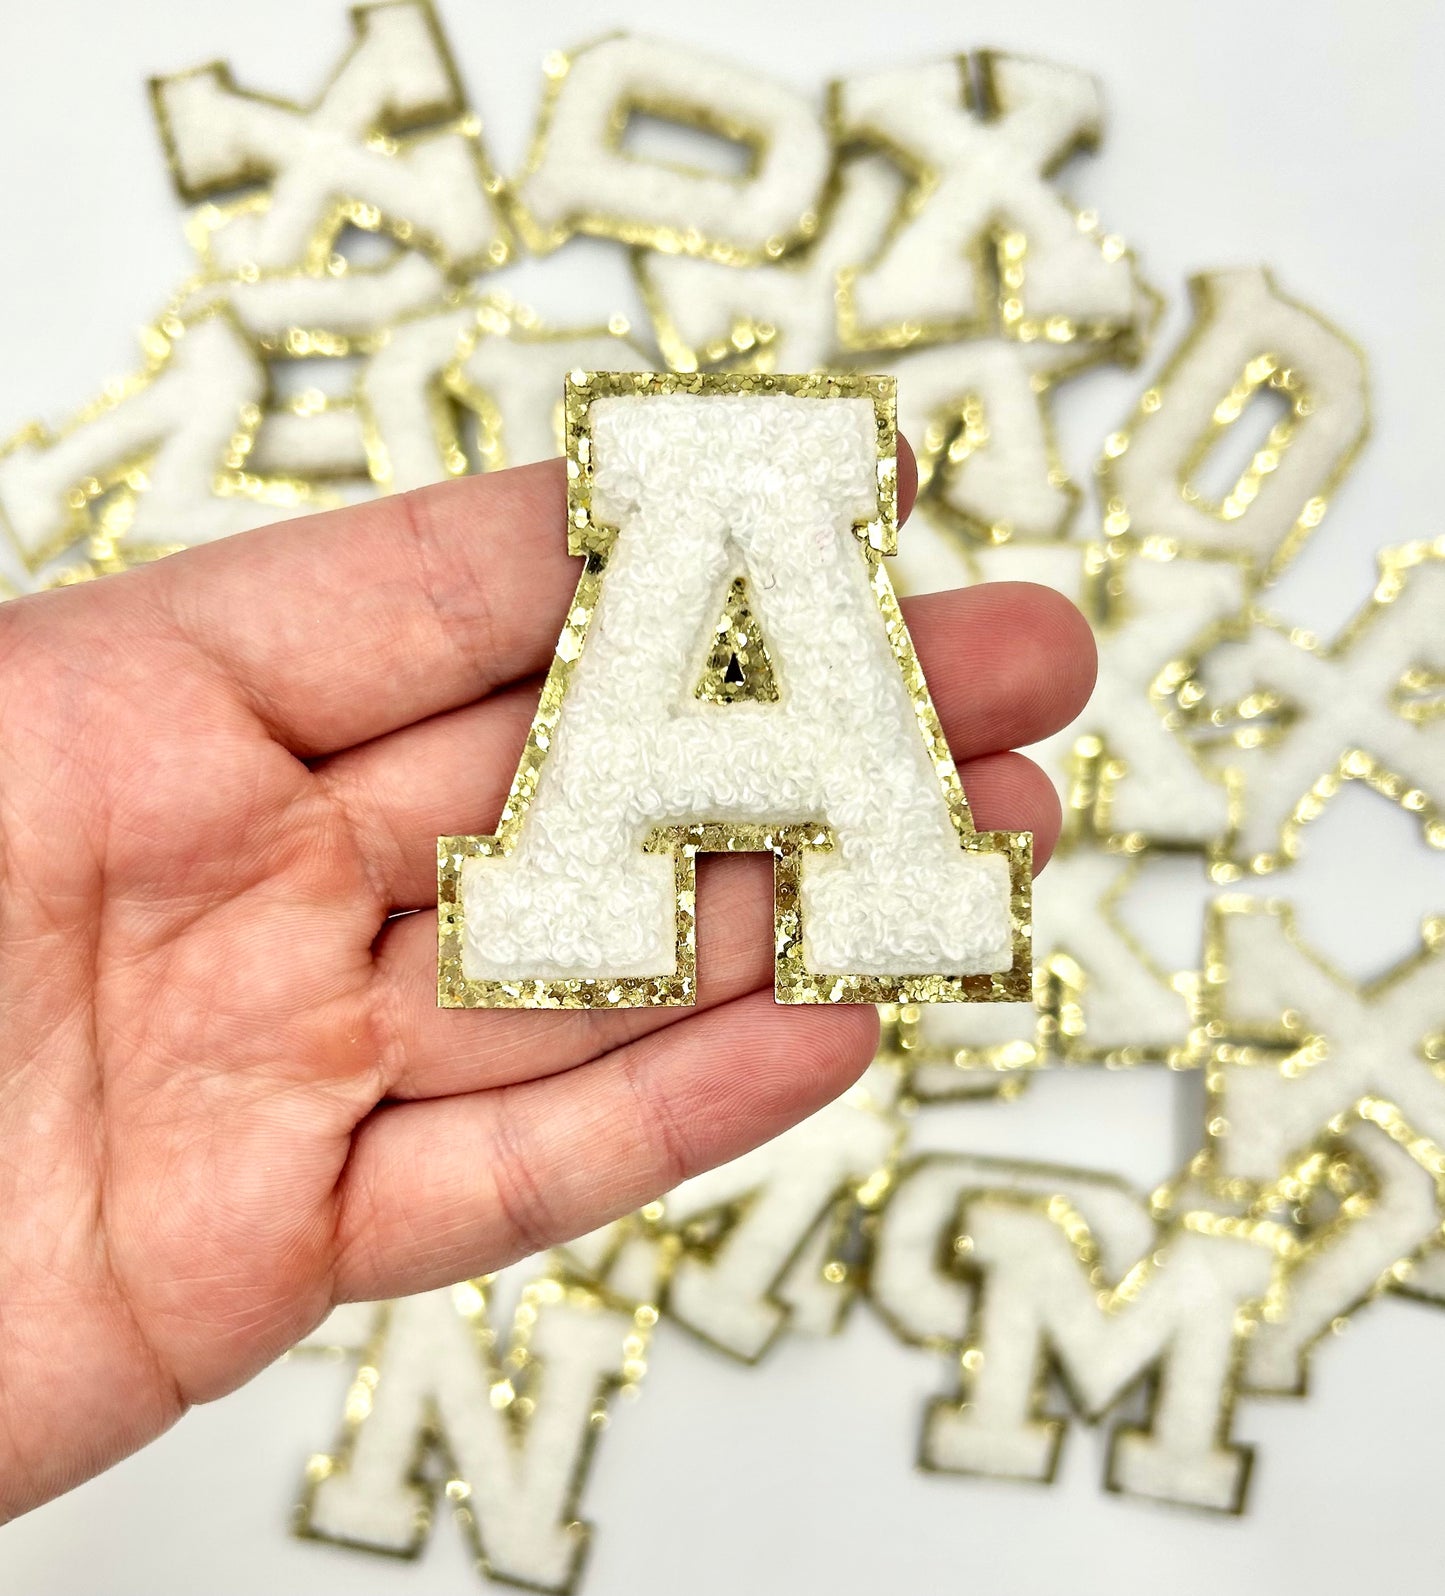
910,228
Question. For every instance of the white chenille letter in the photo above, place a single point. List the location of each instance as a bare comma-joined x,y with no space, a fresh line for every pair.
879,871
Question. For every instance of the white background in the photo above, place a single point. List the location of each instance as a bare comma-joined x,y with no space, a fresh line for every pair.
1306,137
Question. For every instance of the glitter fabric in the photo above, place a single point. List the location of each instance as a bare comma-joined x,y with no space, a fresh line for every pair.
781,315
509,1417
161,458
882,890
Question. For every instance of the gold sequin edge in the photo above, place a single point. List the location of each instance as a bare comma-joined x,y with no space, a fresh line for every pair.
542,239
999,255
793,981
390,135
1118,520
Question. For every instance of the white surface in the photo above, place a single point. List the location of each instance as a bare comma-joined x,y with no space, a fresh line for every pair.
1303,137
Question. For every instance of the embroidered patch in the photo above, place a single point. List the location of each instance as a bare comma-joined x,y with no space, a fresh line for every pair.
883,890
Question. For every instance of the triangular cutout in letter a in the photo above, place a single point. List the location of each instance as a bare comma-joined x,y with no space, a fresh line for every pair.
738,668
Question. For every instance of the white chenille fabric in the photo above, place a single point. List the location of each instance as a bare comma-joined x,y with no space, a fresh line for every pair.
698,305
704,488
1181,1321
583,176
732,1298
273,307
397,392
990,172
1368,1042
1341,697
960,1046
1162,608
764,1273
1242,316
1011,484
396,74
519,380
1424,1279
913,1279
728,1298
432,1370
1344,1267
1126,1003
1168,791
316,441
182,420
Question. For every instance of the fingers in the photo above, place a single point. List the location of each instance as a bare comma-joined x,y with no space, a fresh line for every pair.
433,1052
340,627
1008,792
907,477
437,1191
1007,664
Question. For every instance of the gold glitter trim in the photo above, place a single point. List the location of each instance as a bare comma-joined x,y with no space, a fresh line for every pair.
1096,769
959,430
389,135
1263,717
498,316
847,1219
1285,1043
738,668
904,1041
542,239
1324,1164
316,341
1113,1297
749,342
1265,367
513,1371
793,981
100,506
998,257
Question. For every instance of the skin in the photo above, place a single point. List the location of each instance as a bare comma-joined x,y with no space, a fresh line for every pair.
228,1099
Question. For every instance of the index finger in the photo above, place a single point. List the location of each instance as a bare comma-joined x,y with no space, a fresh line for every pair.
340,627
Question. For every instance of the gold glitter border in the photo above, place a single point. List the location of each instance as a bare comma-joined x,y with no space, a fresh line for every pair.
748,345
1113,1297
504,1352
102,539
998,255
389,135
1208,313
1263,716
542,238
499,316
1232,1044
793,981
958,429
854,1203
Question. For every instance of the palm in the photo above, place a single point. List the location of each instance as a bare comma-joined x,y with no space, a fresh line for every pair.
228,1099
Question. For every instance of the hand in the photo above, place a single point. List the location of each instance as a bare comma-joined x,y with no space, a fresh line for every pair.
228,1099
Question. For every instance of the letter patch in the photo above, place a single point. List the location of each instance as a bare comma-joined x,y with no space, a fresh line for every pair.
680,486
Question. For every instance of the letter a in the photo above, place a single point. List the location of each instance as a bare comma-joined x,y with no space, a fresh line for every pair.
883,891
